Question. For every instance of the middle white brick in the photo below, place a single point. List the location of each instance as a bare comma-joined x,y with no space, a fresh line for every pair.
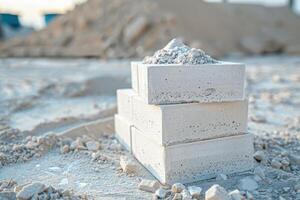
179,123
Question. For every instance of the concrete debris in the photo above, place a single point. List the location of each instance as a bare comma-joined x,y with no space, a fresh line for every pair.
128,165
177,187
216,192
65,149
247,184
195,191
236,195
77,144
149,185
175,52
258,119
259,156
35,190
93,145
30,190
162,193
276,163
186,195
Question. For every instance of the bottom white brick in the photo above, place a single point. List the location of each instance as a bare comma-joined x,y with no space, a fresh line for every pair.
123,132
193,161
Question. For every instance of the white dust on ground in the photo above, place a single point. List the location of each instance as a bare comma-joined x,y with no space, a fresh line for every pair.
273,85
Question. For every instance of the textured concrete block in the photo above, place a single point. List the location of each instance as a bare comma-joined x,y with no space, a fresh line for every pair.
124,102
123,131
179,123
193,161
166,84
134,76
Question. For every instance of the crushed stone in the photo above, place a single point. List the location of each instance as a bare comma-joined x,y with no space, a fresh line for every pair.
177,187
26,149
176,52
10,189
195,191
216,192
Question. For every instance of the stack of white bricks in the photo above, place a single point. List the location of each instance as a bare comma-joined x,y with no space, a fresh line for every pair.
186,122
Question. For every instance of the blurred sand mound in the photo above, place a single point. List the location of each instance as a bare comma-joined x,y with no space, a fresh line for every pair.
135,28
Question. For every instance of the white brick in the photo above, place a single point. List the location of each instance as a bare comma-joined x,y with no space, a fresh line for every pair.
123,131
124,102
165,84
178,123
134,76
194,161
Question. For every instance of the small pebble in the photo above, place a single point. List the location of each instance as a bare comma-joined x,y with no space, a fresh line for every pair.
30,190
128,165
286,189
276,164
149,185
65,149
258,119
92,145
195,191
186,195
216,192
161,193
236,195
259,156
77,144
177,187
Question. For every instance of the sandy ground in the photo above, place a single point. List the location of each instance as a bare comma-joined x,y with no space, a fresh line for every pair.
273,85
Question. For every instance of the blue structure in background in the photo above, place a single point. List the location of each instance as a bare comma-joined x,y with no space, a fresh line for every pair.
10,20
49,17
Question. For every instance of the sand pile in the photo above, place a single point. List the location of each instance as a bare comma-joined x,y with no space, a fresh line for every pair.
135,28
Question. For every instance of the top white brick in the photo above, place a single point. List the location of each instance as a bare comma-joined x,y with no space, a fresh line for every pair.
175,83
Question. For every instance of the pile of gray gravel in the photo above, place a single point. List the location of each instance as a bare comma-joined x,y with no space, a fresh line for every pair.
176,52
